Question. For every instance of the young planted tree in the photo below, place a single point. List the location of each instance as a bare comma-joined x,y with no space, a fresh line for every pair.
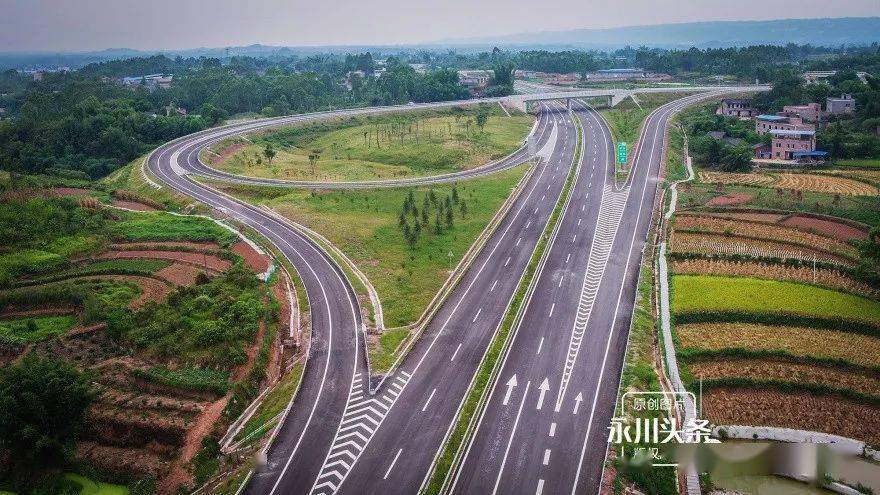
269,152
482,116
313,159
464,209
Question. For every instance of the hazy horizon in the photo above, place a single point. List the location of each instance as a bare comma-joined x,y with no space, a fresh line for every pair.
94,25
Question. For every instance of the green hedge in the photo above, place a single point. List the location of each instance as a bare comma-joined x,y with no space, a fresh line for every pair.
200,380
777,319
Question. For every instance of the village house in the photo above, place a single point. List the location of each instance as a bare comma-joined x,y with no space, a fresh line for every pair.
785,143
768,123
844,105
736,107
811,112
150,81
474,79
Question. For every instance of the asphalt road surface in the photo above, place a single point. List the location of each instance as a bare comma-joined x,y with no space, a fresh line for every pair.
566,355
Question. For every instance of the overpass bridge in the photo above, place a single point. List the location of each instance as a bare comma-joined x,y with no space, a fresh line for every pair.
609,97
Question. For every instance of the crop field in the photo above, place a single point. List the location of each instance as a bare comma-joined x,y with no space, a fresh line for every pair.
785,371
695,293
774,271
764,231
364,224
805,411
745,216
159,226
858,162
838,230
862,350
796,181
700,243
385,147
28,330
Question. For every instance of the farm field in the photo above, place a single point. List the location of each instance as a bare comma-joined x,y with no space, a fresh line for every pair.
795,181
697,293
767,407
858,349
191,358
710,244
380,147
365,225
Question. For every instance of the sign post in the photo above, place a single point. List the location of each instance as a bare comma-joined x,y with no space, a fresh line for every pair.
621,152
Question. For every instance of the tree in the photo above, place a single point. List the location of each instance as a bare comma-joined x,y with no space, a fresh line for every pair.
313,159
42,404
449,218
482,116
269,152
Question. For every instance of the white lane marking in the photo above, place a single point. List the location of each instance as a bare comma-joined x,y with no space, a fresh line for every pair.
582,207
510,386
510,442
579,222
574,238
548,186
540,488
543,196
425,407
546,457
552,307
552,429
577,402
567,257
536,208
493,286
455,353
540,345
477,315
508,261
529,223
392,465
543,388
560,281
517,241
590,184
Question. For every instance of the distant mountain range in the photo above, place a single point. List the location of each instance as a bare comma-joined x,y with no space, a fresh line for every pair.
817,32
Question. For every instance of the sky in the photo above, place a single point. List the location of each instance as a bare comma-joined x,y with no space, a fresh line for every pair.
80,25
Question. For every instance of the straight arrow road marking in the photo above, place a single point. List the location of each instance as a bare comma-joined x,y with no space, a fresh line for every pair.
544,387
511,384
577,402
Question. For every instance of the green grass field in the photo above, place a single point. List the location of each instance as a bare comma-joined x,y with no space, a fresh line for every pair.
28,261
26,330
364,225
711,293
626,118
160,226
858,162
408,145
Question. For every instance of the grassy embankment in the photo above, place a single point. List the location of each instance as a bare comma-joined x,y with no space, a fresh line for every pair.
409,144
364,224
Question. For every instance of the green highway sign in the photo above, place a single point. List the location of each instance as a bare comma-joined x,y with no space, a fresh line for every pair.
621,152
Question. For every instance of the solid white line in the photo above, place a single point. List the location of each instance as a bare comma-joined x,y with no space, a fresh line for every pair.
392,465
552,429
540,488
493,286
429,400
540,345
455,353
477,315
552,307
546,457
510,442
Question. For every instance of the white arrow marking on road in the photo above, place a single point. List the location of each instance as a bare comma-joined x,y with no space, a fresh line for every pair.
577,402
544,387
510,386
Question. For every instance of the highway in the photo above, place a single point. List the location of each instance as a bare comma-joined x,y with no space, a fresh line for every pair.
339,439
545,426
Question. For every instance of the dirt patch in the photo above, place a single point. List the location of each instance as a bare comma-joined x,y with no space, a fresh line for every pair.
179,274
837,230
132,205
120,460
254,260
225,153
179,474
828,414
69,191
732,199
13,312
205,260
748,217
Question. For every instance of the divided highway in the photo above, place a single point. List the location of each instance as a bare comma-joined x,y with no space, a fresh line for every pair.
544,428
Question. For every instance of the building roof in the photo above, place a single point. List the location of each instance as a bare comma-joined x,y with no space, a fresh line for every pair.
622,71
807,154
773,118
781,132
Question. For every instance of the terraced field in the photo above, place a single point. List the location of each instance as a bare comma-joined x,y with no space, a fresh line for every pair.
796,181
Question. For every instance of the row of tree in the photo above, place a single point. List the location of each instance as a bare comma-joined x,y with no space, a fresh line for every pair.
443,215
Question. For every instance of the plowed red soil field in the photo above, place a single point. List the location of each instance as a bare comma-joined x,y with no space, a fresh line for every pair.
209,261
252,258
838,230
732,199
